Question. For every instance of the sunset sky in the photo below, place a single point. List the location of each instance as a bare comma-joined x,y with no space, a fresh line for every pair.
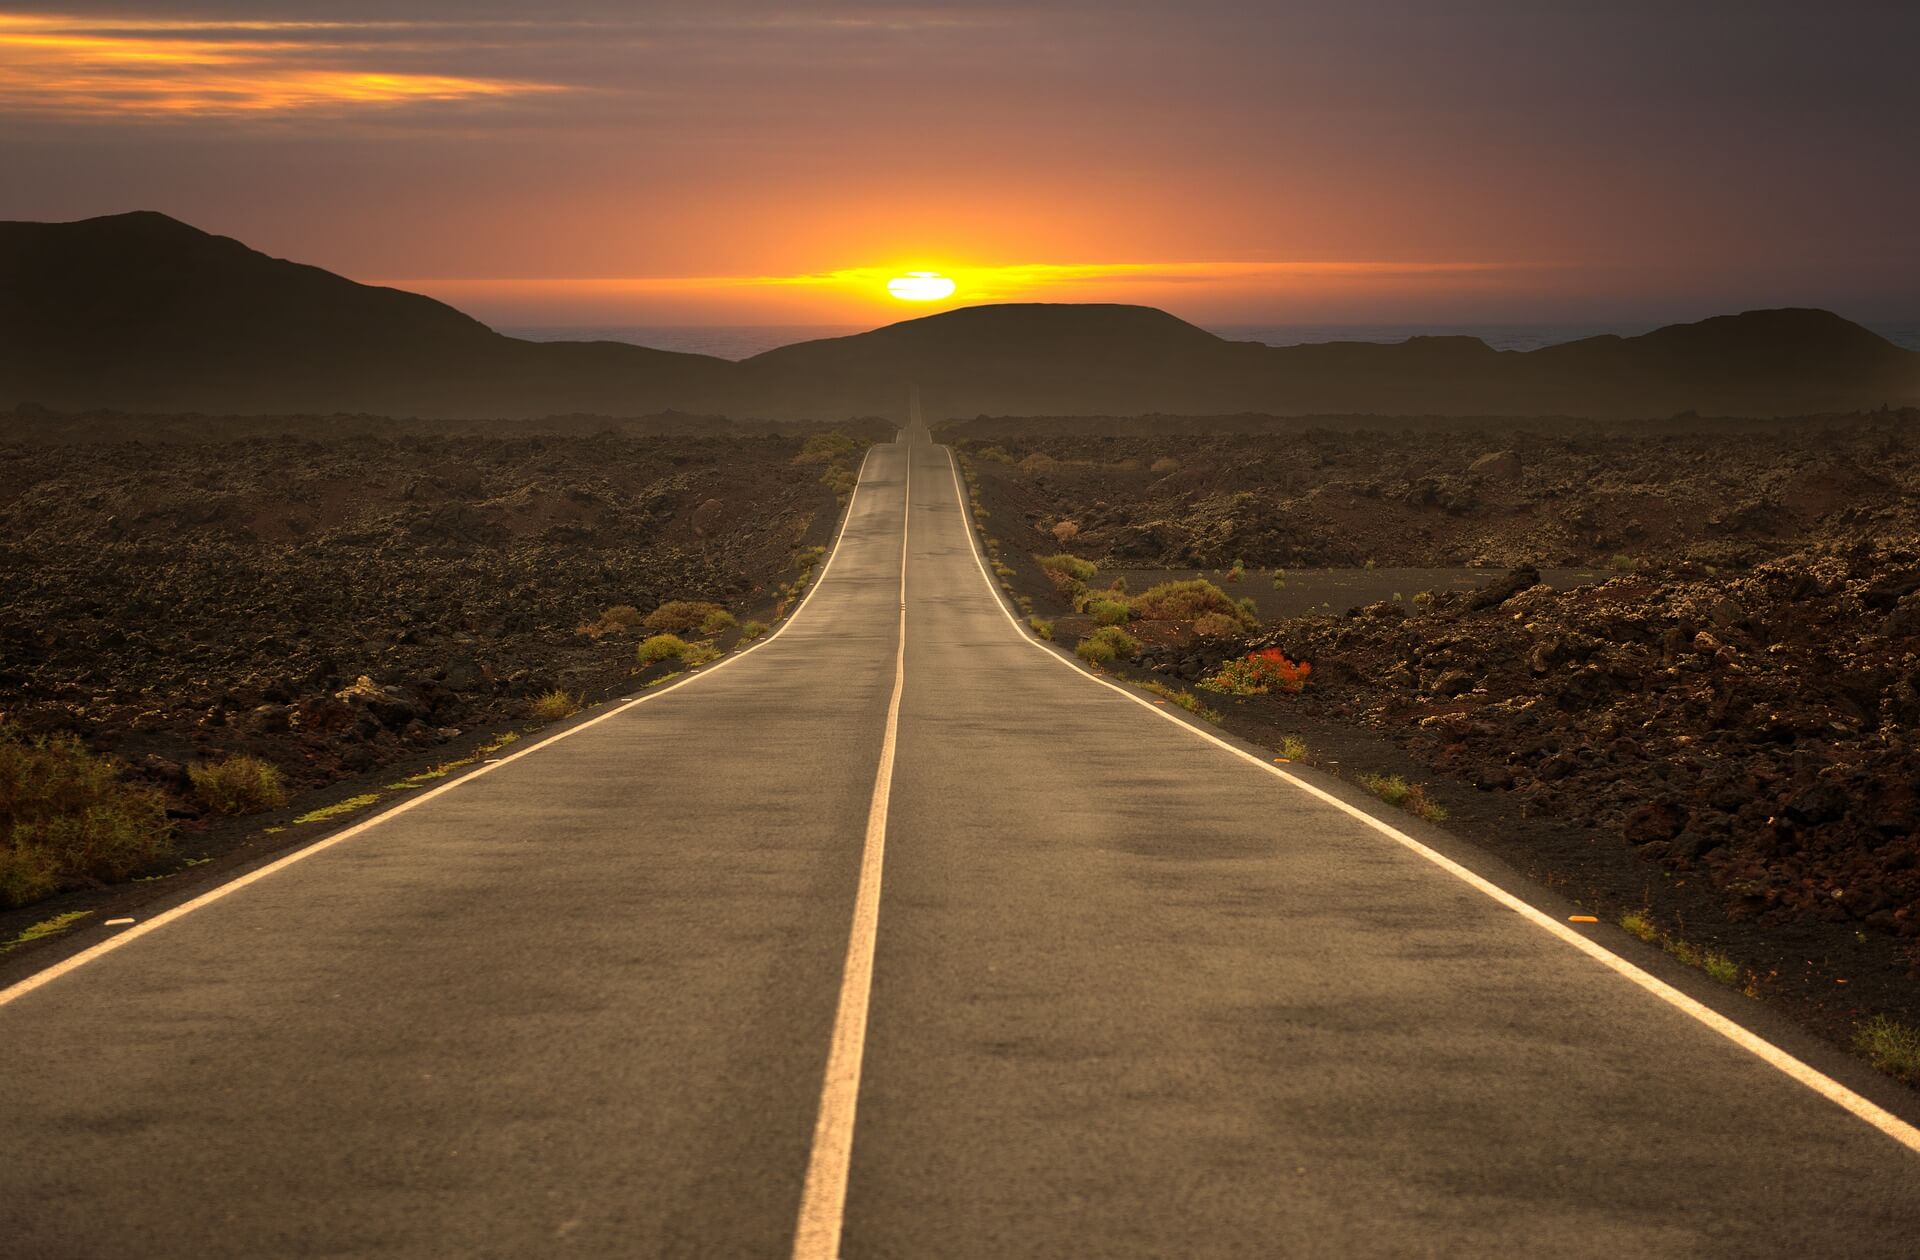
596,162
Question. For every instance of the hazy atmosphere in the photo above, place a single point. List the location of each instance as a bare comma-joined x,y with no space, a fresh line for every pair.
967,631
1231,162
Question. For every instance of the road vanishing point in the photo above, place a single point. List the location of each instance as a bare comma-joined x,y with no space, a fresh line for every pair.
900,935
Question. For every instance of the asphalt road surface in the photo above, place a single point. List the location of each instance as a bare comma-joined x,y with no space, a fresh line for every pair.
898,937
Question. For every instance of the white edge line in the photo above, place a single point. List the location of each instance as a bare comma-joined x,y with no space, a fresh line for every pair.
823,1195
21,988
1814,1079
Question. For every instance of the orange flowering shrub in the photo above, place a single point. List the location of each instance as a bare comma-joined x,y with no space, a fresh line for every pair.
1257,673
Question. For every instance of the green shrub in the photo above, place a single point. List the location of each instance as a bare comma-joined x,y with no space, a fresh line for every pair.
1061,565
554,705
698,654
678,616
1110,612
753,630
1094,651
1106,644
65,814
661,647
1411,797
1041,627
825,448
1293,748
1189,600
719,621
237,785
1894,1047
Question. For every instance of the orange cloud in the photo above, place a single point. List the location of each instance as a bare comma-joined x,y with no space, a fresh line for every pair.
98,68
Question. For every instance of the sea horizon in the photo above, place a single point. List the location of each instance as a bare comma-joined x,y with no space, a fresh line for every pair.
742,341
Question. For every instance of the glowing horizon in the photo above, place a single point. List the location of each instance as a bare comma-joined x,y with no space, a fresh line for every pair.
778,161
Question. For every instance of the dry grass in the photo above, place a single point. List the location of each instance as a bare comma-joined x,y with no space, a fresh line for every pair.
45,928
553,705
1894,1047
66,815
1412,797
620,617
237,785
326,813
679,616
1185,699
1293,748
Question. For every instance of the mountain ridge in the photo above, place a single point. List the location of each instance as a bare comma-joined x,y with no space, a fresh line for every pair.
141,312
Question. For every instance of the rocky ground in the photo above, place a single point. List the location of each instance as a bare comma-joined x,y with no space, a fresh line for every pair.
1187,494
1724,734
332,596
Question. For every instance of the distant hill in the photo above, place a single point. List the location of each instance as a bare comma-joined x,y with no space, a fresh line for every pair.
139,312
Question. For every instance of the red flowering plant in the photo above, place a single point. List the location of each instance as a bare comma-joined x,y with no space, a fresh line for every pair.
1257,673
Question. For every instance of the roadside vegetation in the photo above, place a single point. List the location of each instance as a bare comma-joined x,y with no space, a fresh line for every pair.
1106,644
665,647
840,455
1893,1047
1258,673
1718,966
1185,699
1292,748
237,785
66,816
1412,797
551,706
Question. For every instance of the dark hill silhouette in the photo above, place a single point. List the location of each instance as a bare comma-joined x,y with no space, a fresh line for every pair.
139,312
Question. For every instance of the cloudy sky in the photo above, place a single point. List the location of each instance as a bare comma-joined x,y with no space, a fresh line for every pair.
1396,161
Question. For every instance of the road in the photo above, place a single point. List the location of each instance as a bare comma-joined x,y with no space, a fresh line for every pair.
899,937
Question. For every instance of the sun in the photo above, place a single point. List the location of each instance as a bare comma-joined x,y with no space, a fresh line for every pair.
921,286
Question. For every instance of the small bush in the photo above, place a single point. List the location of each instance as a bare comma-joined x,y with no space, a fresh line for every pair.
1190,600
1065,531
1238,571
698,654
1624,564
1061,565
1110,612
1258,673
753,630
678,616
1638,924
1411,797
661,647
1894,1047
1108,642
1041,627
1293,748
718,621
1094,651
237,785
65,814
1185,699
553,705
825,448
612,621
